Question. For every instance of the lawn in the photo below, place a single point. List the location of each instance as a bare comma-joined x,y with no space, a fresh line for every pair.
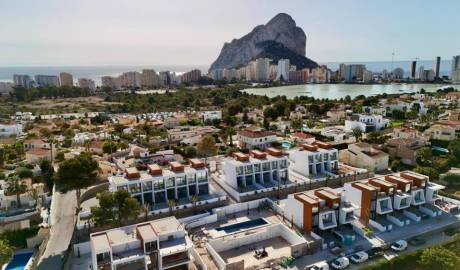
396,123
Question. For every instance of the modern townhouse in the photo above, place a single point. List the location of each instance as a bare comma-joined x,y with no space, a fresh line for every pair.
396,199
158,185
159,244
314,160
256,170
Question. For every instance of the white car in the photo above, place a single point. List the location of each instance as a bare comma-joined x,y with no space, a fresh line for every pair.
399,245
359,257
340,263
318,266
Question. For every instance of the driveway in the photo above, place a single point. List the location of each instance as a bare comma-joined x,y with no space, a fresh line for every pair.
62,225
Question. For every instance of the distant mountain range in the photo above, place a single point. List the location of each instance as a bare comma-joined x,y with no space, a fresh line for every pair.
280,38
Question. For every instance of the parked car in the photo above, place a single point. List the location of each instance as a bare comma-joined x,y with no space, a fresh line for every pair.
399,246
340,263
318,266
359,257
375,252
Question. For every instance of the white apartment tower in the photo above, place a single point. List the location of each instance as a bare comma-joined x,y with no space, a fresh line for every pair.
283,70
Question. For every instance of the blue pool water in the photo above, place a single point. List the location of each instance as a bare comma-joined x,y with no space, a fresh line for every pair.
440,149
242,225
286,144
19,261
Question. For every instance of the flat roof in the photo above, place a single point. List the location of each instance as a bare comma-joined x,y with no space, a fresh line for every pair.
165,225
100,242
146,232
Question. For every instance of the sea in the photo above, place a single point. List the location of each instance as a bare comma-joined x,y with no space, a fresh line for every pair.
96,72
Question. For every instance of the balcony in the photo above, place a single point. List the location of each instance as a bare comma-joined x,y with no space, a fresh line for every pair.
327,220
418,197
175,260
402,200
384,205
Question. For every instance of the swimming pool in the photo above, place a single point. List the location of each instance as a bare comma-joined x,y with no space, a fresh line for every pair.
286,144
19,261
242,225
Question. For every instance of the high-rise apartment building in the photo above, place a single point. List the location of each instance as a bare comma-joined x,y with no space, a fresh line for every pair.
436,66
111,82
412,72
149,78
66,79
354,72
131,79
191,76
283,70
47,80
87,84
22,80
262,69
455,73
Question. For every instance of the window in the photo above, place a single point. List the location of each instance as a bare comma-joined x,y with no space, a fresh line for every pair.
122,188
334,156
239,170
103,257
180,180
159,184
248,168
318,158
274,164
310,159
147,186
191,178
266,166
202,176
170,182
135,188
283,164
257,167
151,246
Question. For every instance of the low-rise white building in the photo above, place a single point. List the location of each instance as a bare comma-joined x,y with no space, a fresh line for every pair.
158,186
367,123
255,138
10,130
158,244
314,160
257,169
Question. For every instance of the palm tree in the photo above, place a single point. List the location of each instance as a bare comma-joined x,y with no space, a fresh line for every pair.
146,209
230,131
195,198
171,205
34,194
16,186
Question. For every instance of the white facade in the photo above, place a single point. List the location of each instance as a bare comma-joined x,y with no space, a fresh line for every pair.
211,115
9,130
367,123
257,170
252,139
311,160
161,185
159,244
283,69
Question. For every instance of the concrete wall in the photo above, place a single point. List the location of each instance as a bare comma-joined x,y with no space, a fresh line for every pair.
83,248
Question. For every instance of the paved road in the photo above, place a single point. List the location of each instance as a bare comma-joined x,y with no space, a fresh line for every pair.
63,221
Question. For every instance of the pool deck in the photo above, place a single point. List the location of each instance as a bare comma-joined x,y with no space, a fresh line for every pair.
276,248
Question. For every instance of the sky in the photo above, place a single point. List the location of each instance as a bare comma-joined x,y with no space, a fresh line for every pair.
192,32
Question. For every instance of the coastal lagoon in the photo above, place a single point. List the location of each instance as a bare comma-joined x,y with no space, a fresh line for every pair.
337,91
